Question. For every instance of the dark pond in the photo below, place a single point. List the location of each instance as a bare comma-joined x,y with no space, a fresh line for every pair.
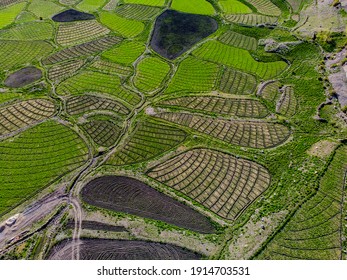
23,77
175,32
72,15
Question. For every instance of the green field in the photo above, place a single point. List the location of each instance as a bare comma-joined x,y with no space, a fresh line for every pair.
34,31
201,7
8,14
234,7
90,5
36,158
125,53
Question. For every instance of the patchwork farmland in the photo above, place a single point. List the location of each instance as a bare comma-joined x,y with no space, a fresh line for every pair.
171,130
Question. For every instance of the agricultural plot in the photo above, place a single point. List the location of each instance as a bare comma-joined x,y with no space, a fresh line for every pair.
90,5
314,232
158,3
126,53
86,49
33,31
194,75
238,40
287,104
25,16
111,67
271,91
7,96
138,12
4,3
252,19
241,59
123,26
234,7
147,141
253,134
134,197
150,74
102,132
222,183
243,108
111,249
93,225
265,7
8,14
78,105
80,32
236,82
36,158
96,82
44,9
23,114
295,4
16,53
61,71
201,7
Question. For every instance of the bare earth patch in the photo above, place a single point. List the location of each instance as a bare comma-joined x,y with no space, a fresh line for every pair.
255,234
23,77
322,149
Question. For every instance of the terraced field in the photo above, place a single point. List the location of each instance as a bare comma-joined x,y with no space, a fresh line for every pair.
214,125
148,140
253,134
35,158
220,182
150,74
24,114
237,107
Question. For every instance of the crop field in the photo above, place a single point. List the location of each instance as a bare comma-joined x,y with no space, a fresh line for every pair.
90,5
287,103
16,53
234,7
243,108
8,14
147,141
172,129
86,49
236,82
238,40
34,31
111,67
194,75
80,32
111,249
241,59
271,91
158,3
265,7
134,197
253,134
77,105
150,74
252,19
201,7
123,26
103,133
24,114
61,71
315,230
95,82
220,182
35,158
125,53
138,12
44,9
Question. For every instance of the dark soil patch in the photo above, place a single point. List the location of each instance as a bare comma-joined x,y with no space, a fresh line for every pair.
72,15
175,32
109,249
23,77
93,225
128,195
